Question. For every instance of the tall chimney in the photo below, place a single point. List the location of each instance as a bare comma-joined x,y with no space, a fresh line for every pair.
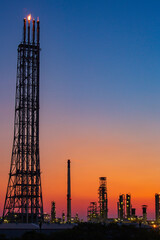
28,31
38,31
33,32
68,192
24,30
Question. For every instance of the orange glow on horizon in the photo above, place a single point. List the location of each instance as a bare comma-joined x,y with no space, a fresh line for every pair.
128,160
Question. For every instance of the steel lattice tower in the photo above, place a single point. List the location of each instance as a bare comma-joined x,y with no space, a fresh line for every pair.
23,202
103,200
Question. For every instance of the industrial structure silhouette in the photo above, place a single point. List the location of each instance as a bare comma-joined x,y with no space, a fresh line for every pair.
23,201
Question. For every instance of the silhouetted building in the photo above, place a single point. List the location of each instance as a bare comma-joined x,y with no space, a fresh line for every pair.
92,212
63,217
128,206
121,207
157,207
144,211
118,212
53,212
103,200
76,219
46,218
133,212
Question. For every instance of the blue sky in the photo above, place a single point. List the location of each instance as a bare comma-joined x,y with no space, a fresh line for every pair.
93,52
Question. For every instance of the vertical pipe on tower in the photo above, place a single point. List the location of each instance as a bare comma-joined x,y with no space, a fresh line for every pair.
68,192
38,32
28,124
33,119
24,31
22,113
28,31
33,31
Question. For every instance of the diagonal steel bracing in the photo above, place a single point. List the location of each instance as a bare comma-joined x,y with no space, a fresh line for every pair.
23,202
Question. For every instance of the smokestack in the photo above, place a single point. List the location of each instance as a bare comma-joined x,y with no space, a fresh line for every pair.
24,31
28,31
68,192
33,31
38,31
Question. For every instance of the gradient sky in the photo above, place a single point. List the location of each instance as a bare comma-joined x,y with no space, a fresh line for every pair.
99,98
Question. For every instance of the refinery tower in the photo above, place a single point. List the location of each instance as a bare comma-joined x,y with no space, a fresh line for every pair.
23,202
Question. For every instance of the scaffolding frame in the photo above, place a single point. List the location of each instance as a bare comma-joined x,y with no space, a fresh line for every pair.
23,202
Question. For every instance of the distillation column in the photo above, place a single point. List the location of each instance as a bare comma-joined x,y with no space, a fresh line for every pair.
103,200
